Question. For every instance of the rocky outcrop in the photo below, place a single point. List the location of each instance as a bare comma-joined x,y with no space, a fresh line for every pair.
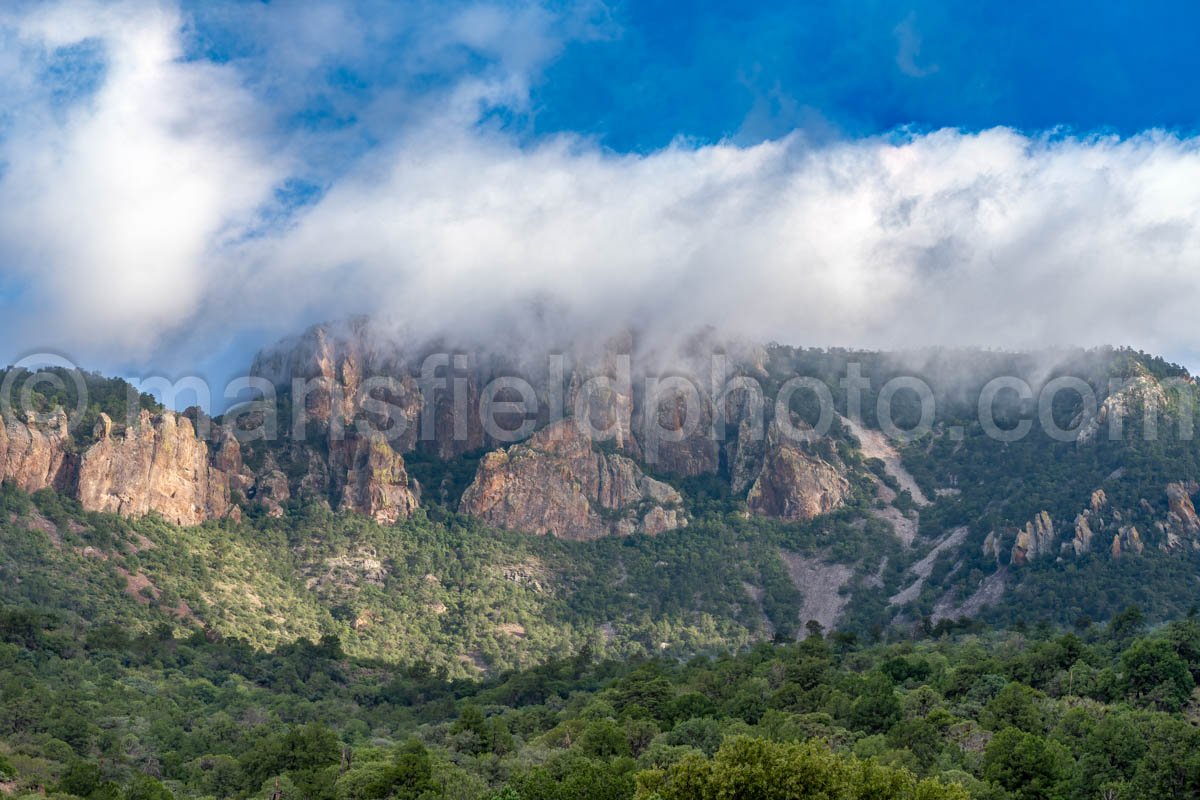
1087,523
157,465
1180,528
340,368
36,454
673,445
992,547
377,484
602,394
271,487
1126,541
1141,393
556,484
795,484
1182,523
338,373
1082,543
161,464
1036,540
747,457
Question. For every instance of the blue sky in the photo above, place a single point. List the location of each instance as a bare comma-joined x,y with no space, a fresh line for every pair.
181,182
637,75
754,70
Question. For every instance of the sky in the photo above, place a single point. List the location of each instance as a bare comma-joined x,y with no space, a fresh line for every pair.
184,182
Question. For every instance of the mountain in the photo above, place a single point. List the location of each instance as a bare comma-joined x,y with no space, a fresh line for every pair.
386,544
367,495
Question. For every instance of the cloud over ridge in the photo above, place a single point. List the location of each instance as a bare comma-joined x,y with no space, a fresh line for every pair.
146,217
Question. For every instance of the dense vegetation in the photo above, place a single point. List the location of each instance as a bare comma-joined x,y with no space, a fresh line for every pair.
437,588
53,388
1099,712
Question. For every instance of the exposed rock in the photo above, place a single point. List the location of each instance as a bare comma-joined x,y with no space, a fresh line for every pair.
377,484
992,546
792,484
1037,539
821,583
557,484
1143,392
1126,541
1088,522
1182,521
1082,543
1131,539
669,445
335,362
746,456
904,524
354,569
989,592
875,444
271,487
530,574
924,568
157,465
36,454
603,396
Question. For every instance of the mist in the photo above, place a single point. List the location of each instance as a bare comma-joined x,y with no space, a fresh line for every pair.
148,222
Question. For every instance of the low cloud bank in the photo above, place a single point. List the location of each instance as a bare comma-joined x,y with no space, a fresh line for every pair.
151,217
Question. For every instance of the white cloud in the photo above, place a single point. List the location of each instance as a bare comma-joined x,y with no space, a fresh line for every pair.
124,216
991,238
118,208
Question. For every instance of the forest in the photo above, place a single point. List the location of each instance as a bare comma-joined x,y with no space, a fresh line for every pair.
1097,711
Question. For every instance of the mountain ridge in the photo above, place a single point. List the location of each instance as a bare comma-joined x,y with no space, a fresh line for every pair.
953,522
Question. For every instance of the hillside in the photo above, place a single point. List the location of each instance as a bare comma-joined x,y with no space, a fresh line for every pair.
558,616
418,548
1102,711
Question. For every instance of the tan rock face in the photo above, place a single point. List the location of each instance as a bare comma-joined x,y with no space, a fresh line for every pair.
159,465
337,363
377,483
1082,543
1182,521
37,455
793,484
1036,540
1127,541
1142,392
556,484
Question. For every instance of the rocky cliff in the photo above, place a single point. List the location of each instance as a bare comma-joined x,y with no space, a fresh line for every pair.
1037,539
37,454
336,376
792,483
351,404
1182,524
557,484
158,464
1100,527
377,483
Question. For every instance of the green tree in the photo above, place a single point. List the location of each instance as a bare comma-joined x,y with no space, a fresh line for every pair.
876,709
1156,675
1025,765
143,787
